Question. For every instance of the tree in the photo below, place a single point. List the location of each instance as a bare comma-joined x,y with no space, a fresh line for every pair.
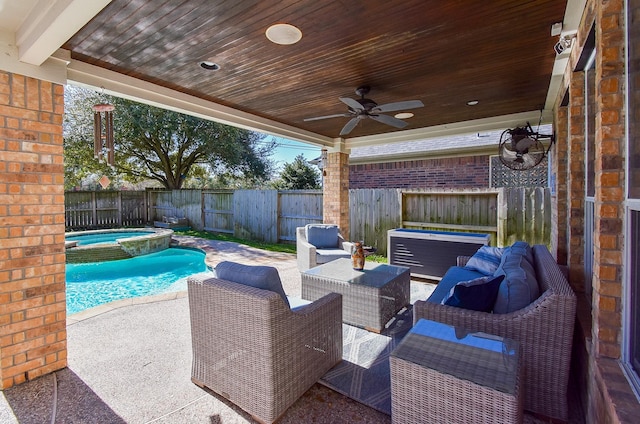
161,145
298,175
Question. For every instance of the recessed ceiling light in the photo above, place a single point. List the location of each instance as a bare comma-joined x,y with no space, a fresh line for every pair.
209,66
472,102
404,115
283,34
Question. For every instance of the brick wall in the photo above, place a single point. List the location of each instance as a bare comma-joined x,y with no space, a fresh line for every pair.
335,199
32,258
575,181
456,172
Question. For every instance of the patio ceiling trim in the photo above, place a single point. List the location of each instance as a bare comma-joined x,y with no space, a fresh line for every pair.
485,149
145,92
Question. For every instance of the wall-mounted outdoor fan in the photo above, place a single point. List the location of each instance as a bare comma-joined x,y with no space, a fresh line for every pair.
366,108
521,149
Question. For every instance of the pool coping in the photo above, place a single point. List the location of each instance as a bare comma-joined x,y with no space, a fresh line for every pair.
122,303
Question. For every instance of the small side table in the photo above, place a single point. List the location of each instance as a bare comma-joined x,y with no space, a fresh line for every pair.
443,374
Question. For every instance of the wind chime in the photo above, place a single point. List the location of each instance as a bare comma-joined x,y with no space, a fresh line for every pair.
103,133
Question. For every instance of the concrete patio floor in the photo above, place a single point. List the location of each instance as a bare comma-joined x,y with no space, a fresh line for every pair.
130,362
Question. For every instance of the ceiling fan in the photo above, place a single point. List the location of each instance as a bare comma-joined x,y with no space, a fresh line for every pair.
362,108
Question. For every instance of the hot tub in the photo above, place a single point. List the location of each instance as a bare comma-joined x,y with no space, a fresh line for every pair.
109,245
428,253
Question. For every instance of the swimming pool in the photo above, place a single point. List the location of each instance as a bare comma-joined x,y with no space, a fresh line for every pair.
96,283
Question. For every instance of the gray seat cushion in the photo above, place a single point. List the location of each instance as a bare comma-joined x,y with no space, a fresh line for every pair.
322,235
327,255
259,276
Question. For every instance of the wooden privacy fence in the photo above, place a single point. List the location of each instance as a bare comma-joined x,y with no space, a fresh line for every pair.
266,215
508,214
105,209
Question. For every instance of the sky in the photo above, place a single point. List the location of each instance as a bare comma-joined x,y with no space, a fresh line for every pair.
287,150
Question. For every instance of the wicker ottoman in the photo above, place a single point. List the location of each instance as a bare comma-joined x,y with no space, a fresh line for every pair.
370,298
439,374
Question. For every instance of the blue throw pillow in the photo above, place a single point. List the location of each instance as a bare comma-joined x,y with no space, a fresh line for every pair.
322,235
476,295
261,277
486,260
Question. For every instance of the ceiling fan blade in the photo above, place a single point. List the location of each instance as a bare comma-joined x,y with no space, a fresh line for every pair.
350,125
392,107
389,120
337,115
353,104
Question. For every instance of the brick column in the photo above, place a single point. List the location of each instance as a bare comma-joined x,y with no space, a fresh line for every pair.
32,257
575,181
609,180
335,199
561,172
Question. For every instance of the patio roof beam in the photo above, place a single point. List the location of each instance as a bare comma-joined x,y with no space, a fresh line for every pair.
466,127
50,24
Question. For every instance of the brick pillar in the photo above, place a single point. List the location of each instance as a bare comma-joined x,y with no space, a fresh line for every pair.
335,199
32,258
561,173
575,181
609,179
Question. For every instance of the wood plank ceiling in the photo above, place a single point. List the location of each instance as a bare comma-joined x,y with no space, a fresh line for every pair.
444,53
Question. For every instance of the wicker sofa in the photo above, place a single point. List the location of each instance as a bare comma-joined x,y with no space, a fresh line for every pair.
544,328
251,348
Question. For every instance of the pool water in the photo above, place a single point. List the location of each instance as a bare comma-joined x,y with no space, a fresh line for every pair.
92,284
108,237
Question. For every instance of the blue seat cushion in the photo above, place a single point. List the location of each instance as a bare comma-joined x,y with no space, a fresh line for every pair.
259,276
477,295
327,255
520,286
454,275
322,235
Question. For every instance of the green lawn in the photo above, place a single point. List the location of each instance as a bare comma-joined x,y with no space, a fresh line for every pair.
272,247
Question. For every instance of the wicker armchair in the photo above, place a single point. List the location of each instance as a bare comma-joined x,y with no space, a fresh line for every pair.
544,328
309,256
250,348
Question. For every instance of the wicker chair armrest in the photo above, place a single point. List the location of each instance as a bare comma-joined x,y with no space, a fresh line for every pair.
331,301
347,246
305,251
318,326
462,260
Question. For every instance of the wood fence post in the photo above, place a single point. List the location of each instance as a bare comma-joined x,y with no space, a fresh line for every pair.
501,211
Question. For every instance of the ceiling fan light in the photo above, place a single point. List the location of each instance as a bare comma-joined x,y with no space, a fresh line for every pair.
283,34
403,115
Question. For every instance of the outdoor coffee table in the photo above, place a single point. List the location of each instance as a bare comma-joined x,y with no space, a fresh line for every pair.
442,374
370,298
